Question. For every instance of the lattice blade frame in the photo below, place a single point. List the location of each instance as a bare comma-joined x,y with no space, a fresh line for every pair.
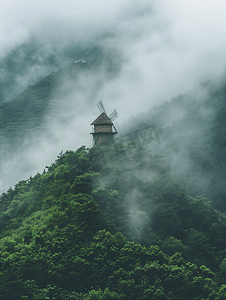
142,136
100,105
113,115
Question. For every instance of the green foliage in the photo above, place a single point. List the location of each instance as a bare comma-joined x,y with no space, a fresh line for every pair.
172,245
109,223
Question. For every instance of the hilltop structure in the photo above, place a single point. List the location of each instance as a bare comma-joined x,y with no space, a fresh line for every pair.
102,133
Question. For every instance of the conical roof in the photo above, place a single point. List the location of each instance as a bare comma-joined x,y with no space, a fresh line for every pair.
101,120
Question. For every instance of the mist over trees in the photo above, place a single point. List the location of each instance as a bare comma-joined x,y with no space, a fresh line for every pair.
123,222
34,60
192,131
191,126
40,116
142,224
92,225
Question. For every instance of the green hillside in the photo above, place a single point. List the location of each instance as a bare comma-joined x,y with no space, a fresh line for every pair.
29,62
193,138
191,126
26,114
109,223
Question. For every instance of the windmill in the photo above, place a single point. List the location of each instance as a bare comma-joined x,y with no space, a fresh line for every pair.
141,136
103,134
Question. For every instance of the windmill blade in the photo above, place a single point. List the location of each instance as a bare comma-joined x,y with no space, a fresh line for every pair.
141,136
113,115
156,135
100,105
126,138
115,128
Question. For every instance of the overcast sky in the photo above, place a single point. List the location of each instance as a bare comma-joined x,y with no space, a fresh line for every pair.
168,47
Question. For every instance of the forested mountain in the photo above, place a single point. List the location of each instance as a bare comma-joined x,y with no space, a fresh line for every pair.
134,220
48,116
109,223
191,126
27,114
193,135
119,222
30,62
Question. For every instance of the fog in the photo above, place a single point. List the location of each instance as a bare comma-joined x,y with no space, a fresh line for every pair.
159,49
167,47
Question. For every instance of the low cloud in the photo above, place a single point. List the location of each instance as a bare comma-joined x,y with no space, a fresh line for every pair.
148,52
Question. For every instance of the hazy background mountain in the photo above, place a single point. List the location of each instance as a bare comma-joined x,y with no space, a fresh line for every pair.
138,57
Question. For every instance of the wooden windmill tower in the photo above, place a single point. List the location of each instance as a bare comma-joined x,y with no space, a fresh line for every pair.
102,133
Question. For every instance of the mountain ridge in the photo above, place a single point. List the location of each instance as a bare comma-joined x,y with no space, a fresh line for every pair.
93,225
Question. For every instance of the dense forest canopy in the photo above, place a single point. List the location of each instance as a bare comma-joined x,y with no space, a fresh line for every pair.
191,126
109,223
193,138
116,222
125,222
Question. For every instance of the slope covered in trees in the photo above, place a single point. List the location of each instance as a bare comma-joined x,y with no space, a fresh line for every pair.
193,135
191,126
109,223
27,115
